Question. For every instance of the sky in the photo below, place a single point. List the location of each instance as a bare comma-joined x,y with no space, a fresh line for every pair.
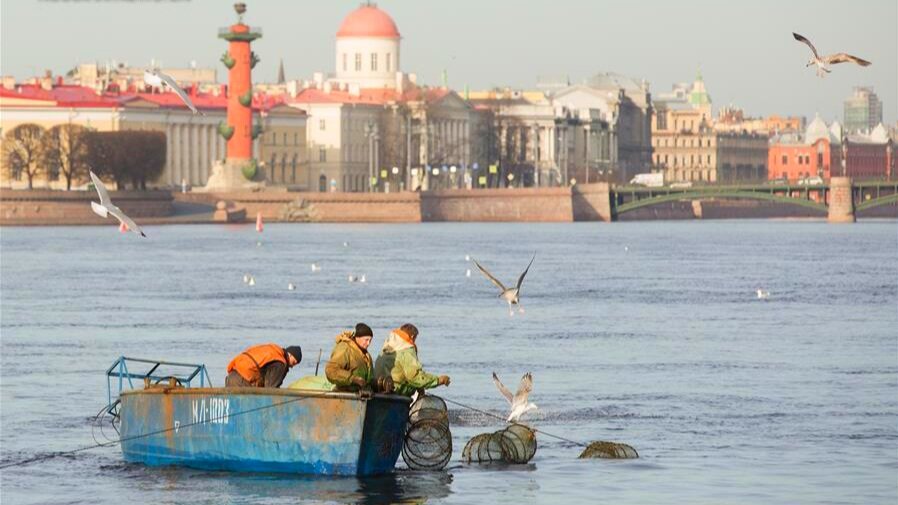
744,50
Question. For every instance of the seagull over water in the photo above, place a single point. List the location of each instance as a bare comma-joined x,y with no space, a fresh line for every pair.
518,402
105,208
763,294
156,78
510,295
829,59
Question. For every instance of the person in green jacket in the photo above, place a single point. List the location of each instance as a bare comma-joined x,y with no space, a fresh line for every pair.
398,362
349,367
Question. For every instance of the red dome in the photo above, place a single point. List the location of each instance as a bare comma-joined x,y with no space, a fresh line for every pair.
368,21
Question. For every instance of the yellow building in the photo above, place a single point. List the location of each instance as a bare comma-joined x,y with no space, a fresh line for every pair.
193,143
688,147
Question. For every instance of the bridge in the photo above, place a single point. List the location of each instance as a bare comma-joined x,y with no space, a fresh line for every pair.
840,199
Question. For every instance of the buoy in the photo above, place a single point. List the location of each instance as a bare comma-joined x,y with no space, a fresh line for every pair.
259,222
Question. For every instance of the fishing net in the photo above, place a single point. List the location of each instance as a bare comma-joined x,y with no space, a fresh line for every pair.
514,444
609,450
428,441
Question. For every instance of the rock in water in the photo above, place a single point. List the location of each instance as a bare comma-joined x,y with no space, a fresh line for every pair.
609,450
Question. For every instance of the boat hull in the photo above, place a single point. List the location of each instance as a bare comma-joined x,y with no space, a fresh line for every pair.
263,430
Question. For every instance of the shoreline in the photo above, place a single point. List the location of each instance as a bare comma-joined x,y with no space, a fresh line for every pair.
584,203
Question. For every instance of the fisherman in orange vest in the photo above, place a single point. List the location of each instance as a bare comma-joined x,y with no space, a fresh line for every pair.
262,366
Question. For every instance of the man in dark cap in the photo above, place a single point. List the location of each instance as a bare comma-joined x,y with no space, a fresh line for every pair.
349,367
262,366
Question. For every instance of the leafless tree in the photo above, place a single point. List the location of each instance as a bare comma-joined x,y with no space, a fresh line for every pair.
65,148
21,152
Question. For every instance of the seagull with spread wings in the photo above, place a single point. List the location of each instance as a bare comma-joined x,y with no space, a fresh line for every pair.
510,295
156,79
518,402
105,208
829,59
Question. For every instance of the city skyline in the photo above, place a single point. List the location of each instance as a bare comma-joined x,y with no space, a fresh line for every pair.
670,46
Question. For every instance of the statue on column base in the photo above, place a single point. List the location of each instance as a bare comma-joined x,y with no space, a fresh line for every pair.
230,174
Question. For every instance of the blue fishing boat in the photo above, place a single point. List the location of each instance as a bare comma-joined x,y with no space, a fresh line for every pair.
168,422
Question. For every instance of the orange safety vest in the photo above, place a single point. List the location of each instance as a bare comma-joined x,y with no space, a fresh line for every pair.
249,363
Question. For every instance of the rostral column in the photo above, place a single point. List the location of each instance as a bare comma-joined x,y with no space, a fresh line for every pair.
239,131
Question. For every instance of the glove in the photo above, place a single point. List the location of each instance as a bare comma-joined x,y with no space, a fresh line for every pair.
358,381
443,380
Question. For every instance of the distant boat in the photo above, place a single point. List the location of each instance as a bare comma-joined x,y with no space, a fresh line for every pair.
259,222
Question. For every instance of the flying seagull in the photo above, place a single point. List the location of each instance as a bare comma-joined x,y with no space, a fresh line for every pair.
830,59
105,208
156,78
510,295
518,402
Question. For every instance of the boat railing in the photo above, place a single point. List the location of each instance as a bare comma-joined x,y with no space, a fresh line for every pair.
125,370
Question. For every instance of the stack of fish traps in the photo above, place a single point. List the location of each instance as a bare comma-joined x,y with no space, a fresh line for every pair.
515,444
428,442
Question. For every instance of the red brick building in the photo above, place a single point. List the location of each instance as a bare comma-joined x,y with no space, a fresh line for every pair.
820,150
796,156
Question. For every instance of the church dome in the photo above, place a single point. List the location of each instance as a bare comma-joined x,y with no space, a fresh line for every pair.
368,21
817,130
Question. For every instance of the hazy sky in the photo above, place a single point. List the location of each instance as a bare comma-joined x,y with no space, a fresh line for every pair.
744,49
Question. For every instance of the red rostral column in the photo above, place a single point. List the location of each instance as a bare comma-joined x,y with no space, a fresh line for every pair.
240,61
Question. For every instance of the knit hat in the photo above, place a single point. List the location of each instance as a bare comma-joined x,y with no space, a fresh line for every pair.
362,330
296,352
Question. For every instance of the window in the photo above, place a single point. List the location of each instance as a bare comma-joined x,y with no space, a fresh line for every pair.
374,62
272,166
322,154
344,62
322,124
785,159
709,160
296,139
274,138
285,138
389,62
358,62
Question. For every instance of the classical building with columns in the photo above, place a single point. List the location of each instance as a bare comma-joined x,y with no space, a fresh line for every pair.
371,126
192,141
525,135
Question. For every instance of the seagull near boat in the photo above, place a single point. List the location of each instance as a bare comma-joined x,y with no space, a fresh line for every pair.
518,402
830,59
510,295
106,208
156,79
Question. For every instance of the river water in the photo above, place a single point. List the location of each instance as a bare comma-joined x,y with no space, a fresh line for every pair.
648,333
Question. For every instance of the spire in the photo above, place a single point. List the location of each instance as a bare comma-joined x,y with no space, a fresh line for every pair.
445,78
281,79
